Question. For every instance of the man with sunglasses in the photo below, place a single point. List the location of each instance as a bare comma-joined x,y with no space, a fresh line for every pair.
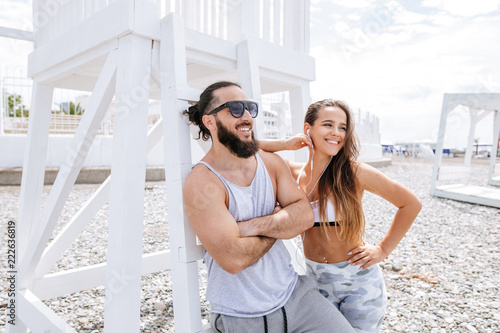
230,198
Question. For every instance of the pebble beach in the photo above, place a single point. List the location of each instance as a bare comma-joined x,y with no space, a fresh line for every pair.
443,276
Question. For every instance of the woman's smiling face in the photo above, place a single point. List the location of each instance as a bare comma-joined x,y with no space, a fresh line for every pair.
329,130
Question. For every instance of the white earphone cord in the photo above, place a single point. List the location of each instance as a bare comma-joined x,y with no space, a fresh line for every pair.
304,236
317,180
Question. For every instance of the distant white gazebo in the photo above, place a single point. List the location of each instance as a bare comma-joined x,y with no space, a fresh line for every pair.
135,51
479,105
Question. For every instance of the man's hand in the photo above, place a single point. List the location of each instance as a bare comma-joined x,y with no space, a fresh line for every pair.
294,215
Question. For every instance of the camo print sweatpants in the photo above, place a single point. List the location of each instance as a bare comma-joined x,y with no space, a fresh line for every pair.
359,294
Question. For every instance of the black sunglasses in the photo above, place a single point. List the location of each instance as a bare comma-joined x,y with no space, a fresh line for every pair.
237,108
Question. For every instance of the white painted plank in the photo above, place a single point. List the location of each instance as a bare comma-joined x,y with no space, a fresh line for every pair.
68,172
297,64
300,99
185,284
471,194
68,68
222,19
249,77
94,31
474,118
128,170
249,15
483,101
298,259
440,143
188,13
39,317
278,22
72,229
191,253
34,165
74,280
222,54
289,31
306,14
461,173
214,19
146,19
17,34
266,20
494,178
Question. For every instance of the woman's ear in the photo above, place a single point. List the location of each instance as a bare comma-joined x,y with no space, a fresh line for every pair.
306,128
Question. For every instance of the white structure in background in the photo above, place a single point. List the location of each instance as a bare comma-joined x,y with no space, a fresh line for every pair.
137,51
276,114
479,106
367,129
275,109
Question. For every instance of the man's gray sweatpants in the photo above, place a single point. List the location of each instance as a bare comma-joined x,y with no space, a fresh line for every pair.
306,311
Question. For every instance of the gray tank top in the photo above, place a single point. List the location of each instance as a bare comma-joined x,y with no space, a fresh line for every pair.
264,286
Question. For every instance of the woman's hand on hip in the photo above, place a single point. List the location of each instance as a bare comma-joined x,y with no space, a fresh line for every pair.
366,255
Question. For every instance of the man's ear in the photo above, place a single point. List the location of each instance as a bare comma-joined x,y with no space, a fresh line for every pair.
209,122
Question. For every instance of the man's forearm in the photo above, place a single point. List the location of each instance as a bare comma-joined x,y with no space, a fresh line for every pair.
245,252
287,223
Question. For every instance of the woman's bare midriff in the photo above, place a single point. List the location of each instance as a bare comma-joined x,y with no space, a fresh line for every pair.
319,248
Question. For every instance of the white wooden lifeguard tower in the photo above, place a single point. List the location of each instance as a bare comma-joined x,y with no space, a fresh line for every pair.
134,51
479,106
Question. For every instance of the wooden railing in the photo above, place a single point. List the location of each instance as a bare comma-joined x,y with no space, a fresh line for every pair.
64,124
52,18
281,22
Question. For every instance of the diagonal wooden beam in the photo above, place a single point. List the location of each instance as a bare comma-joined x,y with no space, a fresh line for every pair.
78,149
17,34
38,316
75,226
72,229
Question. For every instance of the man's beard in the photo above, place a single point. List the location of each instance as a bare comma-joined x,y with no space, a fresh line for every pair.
238,147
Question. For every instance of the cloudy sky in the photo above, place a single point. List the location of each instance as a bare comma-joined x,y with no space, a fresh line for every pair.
396,59
392,58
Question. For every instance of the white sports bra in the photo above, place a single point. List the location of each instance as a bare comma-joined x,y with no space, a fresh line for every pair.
330,211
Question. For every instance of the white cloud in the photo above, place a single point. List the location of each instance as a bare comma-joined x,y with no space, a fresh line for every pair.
407,17
442,19
354,17
340,27
432,3
401,73
352,3
470,8
16,15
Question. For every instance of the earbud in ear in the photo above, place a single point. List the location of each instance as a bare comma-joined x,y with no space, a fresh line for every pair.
309,135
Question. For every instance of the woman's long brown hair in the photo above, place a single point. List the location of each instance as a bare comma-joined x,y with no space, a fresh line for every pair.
338,183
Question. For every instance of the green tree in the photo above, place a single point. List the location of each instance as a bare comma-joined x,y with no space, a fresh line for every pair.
15,106
71,108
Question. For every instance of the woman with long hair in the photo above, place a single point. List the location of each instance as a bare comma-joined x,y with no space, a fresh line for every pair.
344,266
